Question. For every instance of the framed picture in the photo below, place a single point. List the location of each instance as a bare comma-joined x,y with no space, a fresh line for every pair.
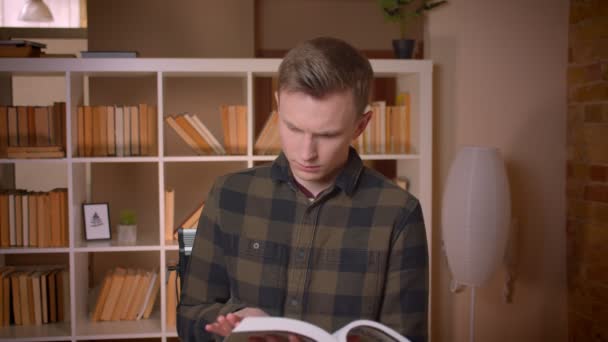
96,221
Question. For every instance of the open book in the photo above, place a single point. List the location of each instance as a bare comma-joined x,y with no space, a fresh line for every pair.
364,330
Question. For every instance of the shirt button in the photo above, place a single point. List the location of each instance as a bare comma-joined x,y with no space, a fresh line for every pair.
294,302
301,253
256,245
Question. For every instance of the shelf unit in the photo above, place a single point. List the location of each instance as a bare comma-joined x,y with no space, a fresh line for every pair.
158,76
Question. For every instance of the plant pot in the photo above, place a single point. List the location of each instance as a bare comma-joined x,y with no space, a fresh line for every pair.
127,233
404,48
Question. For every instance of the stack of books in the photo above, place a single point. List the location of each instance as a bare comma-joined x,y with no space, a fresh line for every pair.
34,295
34,219
33,131
116,130
126,294
200,139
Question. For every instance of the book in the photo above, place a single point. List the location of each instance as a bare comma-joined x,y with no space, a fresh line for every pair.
191,222
4,221
108,54
144,142
118,278
20,48
215,144
172,296
366,330
134,135
102,297
169,213
150,297
3,130
182,134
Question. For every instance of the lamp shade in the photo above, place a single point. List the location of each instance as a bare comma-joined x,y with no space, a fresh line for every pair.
475,214
35,10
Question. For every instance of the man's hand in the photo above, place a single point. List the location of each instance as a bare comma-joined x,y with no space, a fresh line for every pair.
224,325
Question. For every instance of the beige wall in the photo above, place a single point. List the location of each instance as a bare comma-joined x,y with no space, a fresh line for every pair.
501,81
360,22
181,28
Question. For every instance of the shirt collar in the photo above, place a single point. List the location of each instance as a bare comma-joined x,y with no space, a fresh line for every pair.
346,180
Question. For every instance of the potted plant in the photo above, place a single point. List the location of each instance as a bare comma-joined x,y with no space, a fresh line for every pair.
404,12
127,227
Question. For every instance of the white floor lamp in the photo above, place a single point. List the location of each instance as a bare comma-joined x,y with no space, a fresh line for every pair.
475,217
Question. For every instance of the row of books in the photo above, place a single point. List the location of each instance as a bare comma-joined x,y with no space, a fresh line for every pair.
34,295
387,132
34,219
191,221
116,131
32,127
200,139
126,294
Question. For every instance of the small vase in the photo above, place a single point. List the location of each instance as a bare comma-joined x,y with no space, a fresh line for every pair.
404,48
127,233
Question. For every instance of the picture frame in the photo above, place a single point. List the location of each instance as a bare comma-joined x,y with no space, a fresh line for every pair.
96,221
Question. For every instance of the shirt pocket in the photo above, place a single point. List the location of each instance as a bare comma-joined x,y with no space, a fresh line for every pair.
260,262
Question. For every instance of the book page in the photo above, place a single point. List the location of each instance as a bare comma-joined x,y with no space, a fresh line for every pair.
368,331
260,326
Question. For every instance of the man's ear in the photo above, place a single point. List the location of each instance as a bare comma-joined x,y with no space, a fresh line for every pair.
276,98
362,123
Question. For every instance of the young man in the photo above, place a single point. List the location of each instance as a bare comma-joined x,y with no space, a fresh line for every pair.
316,235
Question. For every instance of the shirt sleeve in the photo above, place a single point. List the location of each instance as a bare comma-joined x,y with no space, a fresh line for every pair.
405,302
206,285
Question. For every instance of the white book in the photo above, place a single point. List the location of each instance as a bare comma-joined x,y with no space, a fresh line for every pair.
366,330
142,309
126,127
25,219
215,144
120,135
198,131
11,219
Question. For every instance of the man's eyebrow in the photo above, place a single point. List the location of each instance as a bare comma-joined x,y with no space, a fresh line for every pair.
328,132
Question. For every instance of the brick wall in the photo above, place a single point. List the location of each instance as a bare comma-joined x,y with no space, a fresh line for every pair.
587,171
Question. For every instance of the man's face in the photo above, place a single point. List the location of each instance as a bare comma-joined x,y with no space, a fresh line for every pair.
316,133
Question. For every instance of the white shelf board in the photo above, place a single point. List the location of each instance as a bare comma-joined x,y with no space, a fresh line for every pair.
36,160
389,156
109,330
115,159
143,243
45,332
183,66
171,245
171,333
206,159
28,250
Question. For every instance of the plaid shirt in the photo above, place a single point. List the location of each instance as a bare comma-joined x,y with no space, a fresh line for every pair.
358,250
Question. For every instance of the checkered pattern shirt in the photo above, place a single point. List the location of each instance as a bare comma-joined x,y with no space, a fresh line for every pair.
357,251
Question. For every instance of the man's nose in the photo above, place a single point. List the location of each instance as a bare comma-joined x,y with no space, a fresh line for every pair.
308,147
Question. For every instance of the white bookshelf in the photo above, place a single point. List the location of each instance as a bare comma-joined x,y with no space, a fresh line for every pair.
159,75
